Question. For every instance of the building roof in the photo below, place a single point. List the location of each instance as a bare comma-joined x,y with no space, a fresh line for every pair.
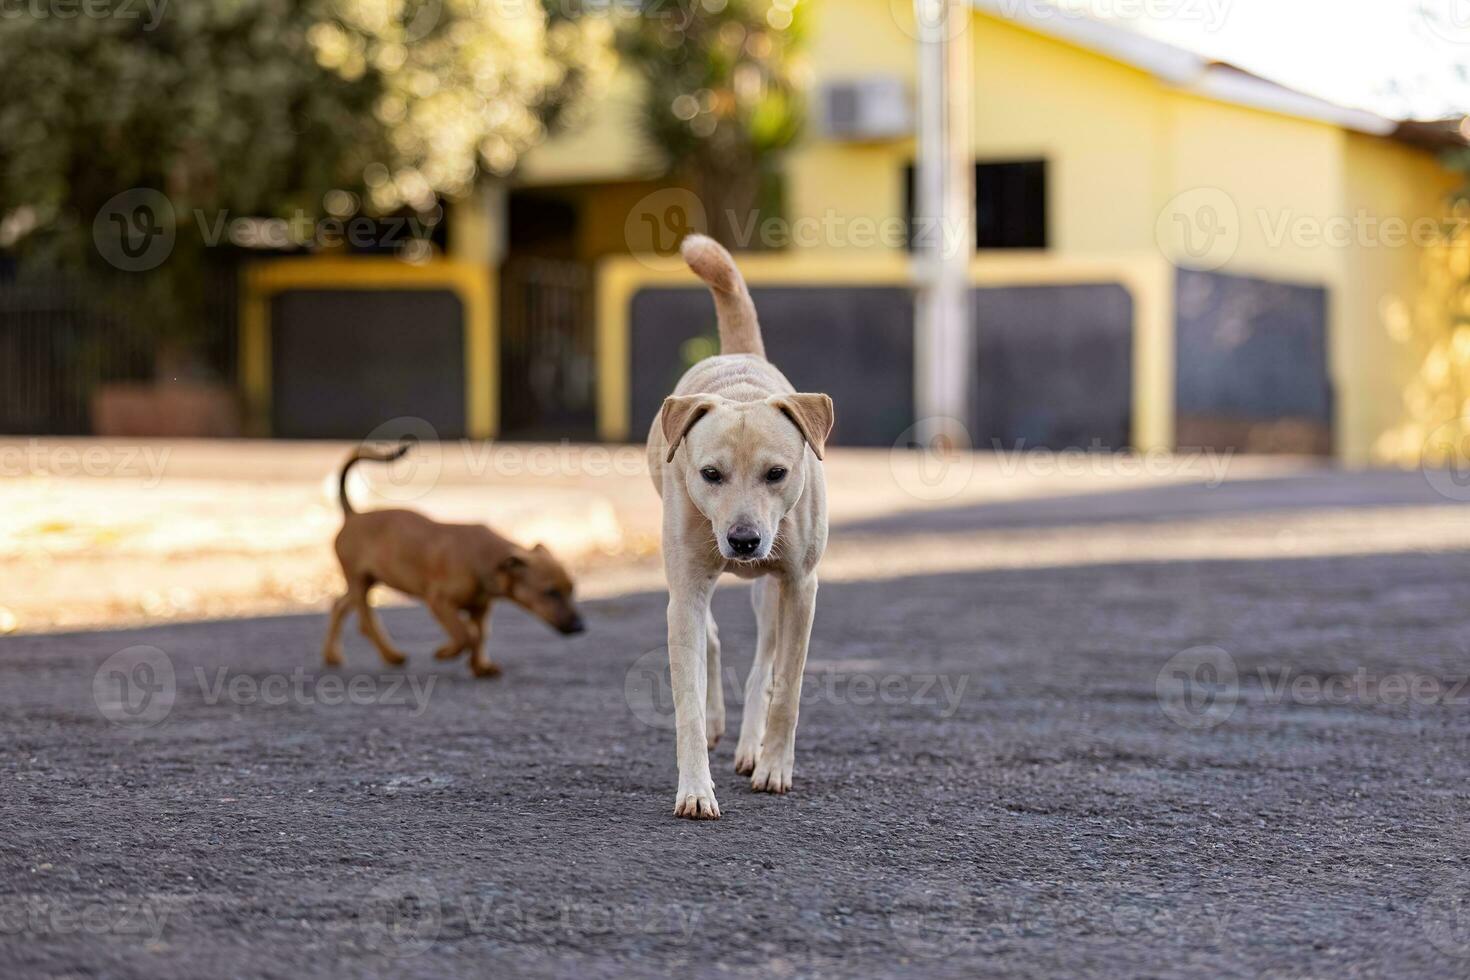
1217,80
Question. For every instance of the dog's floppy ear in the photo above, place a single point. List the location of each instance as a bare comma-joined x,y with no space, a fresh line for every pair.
812,415
512,562
678,416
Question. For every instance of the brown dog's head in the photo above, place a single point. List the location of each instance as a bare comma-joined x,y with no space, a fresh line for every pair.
537,582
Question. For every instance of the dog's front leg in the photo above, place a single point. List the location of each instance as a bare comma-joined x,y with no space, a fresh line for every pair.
688,602
798,604
765,598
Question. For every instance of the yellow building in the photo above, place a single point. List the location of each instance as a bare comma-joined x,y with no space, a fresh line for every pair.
1172,252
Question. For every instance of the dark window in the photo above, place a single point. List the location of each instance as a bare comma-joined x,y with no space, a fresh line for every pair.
1010,204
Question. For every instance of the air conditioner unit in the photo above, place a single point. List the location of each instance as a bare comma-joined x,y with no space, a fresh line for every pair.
875,107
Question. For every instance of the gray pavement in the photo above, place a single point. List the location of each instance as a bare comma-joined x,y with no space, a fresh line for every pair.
1168,768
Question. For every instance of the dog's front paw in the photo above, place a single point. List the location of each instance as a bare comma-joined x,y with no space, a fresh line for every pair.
773,772
696,801
746,755
332,656
485,668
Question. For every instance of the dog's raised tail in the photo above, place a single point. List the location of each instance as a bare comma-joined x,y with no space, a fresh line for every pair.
362,453
740,332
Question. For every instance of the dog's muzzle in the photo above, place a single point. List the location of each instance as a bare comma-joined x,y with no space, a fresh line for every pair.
743,540
572,626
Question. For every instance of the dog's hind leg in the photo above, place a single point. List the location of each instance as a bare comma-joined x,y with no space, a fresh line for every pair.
764,598
714,694
332,649
367,621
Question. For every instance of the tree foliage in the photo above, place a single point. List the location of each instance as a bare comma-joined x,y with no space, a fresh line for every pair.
263,107
723,97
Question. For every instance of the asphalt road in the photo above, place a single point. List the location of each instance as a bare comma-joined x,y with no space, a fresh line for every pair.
1175,769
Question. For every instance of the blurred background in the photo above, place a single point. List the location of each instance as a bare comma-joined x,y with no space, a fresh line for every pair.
234,231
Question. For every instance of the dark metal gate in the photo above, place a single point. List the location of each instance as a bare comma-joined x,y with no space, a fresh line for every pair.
547,349
55,349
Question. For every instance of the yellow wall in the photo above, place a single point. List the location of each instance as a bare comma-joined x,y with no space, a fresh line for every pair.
1390,303
1099,125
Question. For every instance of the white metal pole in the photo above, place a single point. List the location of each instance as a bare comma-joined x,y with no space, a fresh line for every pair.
944,215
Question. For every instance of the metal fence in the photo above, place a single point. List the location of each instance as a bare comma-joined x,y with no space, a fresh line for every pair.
59,342
548,365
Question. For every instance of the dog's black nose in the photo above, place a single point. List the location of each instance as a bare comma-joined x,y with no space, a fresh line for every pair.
743,540
575,625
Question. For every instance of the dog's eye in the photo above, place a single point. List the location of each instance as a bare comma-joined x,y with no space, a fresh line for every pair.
775,474
553,594
710,474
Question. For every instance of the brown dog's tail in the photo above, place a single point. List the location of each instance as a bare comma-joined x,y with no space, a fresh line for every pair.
375,455
740,332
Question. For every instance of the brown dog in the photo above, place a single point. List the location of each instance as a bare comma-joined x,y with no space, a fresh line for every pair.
458,570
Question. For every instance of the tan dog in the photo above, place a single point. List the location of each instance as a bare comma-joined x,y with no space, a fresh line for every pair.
458,570
735,454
